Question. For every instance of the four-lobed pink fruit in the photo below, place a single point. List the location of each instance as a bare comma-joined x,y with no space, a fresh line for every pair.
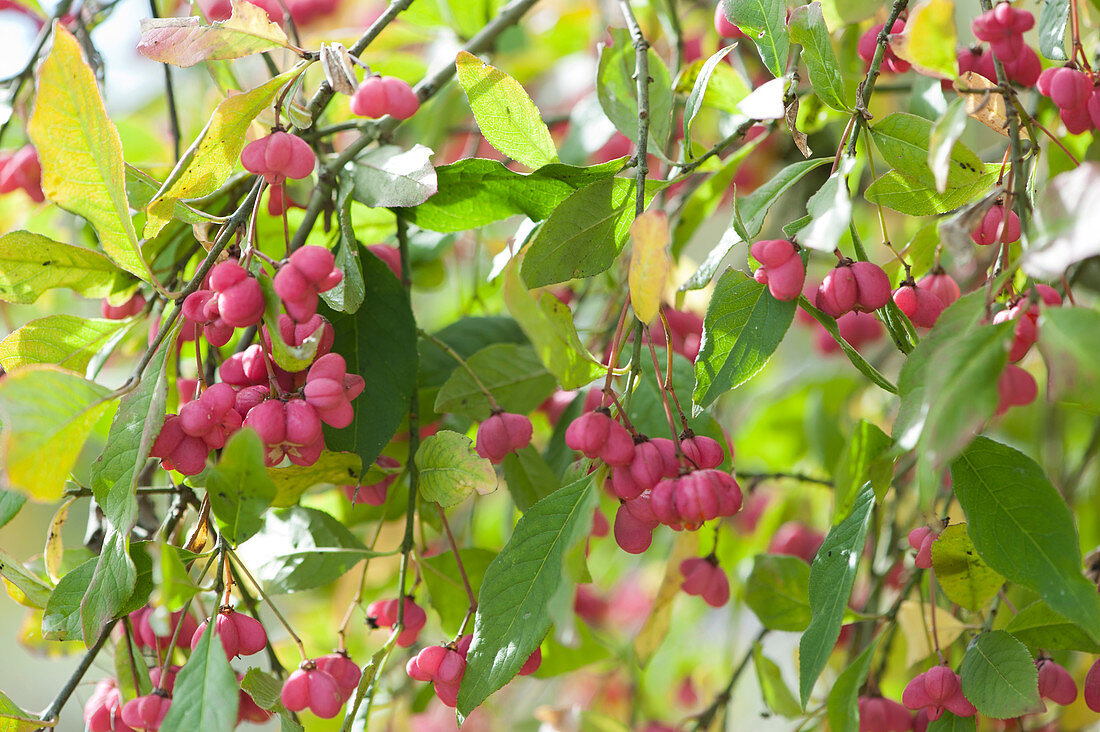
502,433
240,634
921,306
240,300
598,436
343,671
796,539
21,170
383,614
309,271
378,96
279,156
330,390
868,43
936,690
374,494
704,578
1055,683
878,714
997,226
1015,388
133,306
311,688
921,539
780,268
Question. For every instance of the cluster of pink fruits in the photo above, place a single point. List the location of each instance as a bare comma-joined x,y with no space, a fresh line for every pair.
239,634
322,685
383,614
286,409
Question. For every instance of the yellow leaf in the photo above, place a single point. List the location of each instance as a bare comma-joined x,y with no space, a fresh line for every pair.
47,413
185,42
214,156
655,630
649,263
55,543
80,151
928,41
917,629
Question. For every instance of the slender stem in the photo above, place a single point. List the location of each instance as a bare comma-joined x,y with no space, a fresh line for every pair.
170,94
664,399
867,86
641,79
407,543
54,709
706,717
442,345
263,596
788,476
458,559
254,611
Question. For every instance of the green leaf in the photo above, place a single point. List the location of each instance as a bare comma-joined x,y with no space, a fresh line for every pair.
905,141
950,723
957,363
444,583
348,294
942,140
1023,529
842,704
772,686
450,469
468,16
379,343
964,577
743,326
584,235
749,212
864,449
807,29
474,192
390,176
529,477
47,414
263,687
999,676
15,719
30,264
548,323
764,21
466,336
1039,626
176,586
861,364
36,591
832,575
333,468
80,151
63,340
206,694
698,93
618,91
239,488
131,671
1052,29
113,582
186,42
300,549
508,118
907,196
512,373
10,503
1070,337
776,591
512,617
215,153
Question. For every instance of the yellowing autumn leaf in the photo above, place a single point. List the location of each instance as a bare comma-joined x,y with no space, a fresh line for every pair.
917,630
988,108
213,157
928,41
649,263
80,151
186,42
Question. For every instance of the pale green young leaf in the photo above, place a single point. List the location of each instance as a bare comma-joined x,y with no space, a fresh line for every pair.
31,264
807,29
450,469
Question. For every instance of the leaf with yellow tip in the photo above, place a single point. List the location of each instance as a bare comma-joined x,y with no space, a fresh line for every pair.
508,118
649,263
80,151
213,157
929,39
47,413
